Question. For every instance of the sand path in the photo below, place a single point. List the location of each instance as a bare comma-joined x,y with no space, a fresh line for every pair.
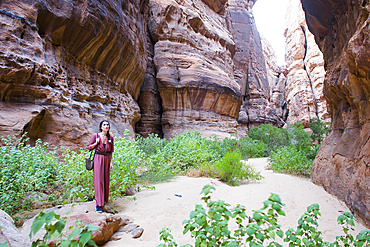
155,209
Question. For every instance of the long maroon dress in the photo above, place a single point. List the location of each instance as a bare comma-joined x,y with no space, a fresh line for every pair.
101,169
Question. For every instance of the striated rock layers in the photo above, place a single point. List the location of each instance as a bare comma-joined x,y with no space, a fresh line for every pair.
305,66
66,65
193,52
341,30
251,71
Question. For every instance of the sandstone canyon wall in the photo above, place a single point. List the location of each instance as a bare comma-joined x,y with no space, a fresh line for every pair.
342,31
193,52
305,68
66,65
251,71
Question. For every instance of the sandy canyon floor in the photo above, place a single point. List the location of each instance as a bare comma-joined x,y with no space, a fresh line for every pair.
155,209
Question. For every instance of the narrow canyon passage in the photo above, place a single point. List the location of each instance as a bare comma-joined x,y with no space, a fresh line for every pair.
160,208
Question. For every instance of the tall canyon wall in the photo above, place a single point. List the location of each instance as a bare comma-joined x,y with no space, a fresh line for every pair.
150,66
250,68
342,31
305,70
193,52
210,70
66,65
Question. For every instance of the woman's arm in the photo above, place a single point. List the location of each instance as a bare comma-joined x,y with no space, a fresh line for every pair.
111,153
94,141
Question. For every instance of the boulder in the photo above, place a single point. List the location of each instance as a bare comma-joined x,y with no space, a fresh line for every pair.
107,223
9,233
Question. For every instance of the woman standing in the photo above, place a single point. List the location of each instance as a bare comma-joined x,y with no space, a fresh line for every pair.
103,144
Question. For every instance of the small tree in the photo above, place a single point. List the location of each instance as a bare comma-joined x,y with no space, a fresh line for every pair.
319,129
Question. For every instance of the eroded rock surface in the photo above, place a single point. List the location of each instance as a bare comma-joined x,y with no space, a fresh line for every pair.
342,165
66,65
193,53
10,234
109,224
305,66
250,68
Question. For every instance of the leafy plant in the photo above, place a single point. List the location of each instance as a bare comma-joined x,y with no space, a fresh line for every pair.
127,158
306,233
319,129
290,160
246,146
77,182
151,144
210,227
24,169
271,136
56,231
176,155
166,236
231,169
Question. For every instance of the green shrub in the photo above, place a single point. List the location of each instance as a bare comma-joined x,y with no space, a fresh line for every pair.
57,233
24,169
246,146
299,137
319,129
231,169
271,136
290,160
250,148
76,181
151,144
180,153
74,177
210,227
127,157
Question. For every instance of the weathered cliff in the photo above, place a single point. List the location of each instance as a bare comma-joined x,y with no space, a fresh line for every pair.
66,65
250,68
193,52
341,30
305,66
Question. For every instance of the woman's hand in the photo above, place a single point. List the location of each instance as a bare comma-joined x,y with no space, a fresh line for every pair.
111,167
97,141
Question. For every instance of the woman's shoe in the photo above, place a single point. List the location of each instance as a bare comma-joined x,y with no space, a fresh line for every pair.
99,209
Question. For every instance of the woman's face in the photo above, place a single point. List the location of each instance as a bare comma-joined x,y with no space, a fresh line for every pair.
105,126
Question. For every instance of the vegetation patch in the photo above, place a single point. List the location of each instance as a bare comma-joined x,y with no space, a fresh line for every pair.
210,226
29,172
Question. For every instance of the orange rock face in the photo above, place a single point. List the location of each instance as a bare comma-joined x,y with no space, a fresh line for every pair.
67,65
342,165
305,67
255,68
193,52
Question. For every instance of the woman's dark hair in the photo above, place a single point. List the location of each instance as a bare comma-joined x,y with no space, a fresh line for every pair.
101,123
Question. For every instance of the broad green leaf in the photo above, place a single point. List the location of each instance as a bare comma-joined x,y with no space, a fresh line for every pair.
59,225
251,231
74,233
36,225
49,217
85,237
65,243
92,227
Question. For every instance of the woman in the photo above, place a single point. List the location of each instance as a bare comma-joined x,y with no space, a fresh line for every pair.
103,144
